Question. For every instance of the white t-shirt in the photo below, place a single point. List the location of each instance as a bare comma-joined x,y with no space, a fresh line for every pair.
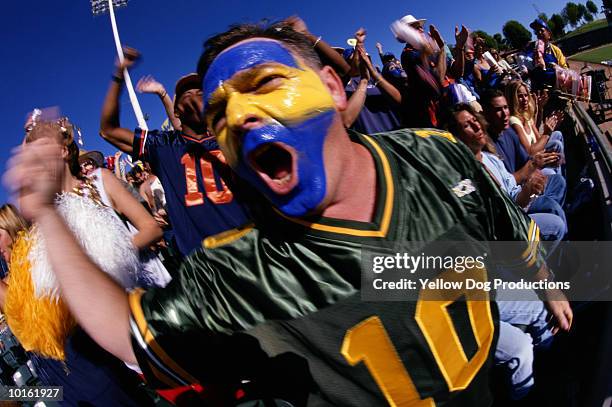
528,129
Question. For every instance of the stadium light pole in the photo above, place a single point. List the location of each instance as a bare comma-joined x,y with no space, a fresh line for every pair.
99,7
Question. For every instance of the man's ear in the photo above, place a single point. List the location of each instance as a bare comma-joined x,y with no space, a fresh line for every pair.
334,84
65,152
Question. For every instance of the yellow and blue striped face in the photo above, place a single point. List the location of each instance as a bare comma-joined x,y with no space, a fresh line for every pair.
264,104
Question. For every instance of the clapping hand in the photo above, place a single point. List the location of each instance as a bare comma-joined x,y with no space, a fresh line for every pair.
365,66
536,183
437,37
461,36
552,121
542,159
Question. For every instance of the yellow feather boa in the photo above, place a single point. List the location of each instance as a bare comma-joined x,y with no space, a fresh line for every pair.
40,324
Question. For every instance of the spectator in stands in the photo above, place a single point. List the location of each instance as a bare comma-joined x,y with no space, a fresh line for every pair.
188,163
432,72
90,161
92,164
545,55
470,127
426,70
503,64
515,346
392,69
467,78
523,110
517,161
152,191
272,278
486,74
65,355
373,105
11,223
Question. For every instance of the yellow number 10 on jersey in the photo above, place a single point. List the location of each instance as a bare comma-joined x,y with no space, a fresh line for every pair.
369,342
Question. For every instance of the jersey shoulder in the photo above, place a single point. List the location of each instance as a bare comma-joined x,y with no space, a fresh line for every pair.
431,149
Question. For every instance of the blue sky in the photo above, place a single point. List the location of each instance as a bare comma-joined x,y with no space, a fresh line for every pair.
55,53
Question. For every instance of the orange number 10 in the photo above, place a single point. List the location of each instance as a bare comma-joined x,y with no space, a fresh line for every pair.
194,196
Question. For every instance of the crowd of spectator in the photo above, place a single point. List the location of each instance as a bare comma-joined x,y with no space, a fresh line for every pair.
182,197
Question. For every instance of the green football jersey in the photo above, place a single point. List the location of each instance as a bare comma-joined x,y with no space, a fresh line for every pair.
275,307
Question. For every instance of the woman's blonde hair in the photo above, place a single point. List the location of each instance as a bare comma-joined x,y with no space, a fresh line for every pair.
512,90
63,131
12,221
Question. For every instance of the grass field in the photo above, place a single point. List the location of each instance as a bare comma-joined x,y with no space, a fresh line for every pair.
595,55
593,25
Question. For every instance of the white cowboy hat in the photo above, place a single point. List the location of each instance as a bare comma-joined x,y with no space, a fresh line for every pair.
411,20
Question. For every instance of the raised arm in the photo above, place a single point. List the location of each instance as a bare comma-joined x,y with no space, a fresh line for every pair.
327,54
117,169
441,63
384,85
381,54
355,103
458,65
110,128
148,84
98,303
124,203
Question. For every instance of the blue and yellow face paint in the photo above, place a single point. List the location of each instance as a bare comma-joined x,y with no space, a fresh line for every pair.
262,79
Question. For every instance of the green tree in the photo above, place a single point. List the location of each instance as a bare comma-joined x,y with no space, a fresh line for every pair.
582,11
571,13
557,25
592,7
490,42
501,43
516,34
588,17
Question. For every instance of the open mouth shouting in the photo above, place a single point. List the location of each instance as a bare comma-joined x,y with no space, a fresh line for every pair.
276,165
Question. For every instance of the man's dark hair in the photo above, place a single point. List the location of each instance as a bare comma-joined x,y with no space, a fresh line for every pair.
387,57
487,97
136,171
280,31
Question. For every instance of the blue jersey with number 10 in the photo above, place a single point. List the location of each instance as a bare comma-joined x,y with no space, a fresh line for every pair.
199,202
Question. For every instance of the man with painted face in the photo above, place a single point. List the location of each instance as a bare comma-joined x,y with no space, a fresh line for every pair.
275,308
188,163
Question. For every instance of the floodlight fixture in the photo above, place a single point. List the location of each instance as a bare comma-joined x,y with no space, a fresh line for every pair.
99,7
